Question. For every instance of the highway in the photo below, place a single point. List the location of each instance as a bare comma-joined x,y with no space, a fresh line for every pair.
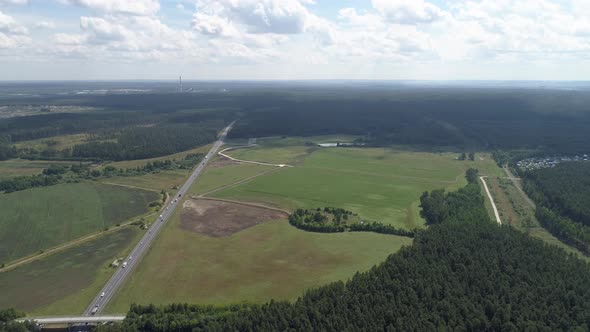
111,287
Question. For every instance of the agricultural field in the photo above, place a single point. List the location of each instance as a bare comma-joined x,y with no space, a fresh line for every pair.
21,167
380,184
246,255
41,218
64,283
164,180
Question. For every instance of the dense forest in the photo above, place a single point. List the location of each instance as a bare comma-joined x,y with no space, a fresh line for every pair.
147,142
463,273
550,121
562,195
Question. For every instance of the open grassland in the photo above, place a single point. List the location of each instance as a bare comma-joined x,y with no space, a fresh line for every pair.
222,172
55,143
515,211
270,260
42,218
21,167
64,283
378,183
141,162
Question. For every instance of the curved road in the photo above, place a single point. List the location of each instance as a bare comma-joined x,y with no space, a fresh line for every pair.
108,291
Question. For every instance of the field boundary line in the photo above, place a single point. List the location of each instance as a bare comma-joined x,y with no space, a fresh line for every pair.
127,185
233,184
243,203
48,252
496,214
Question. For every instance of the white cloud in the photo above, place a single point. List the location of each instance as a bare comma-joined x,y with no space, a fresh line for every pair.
45,25
14,2
408,11
131,7
260,16
10,26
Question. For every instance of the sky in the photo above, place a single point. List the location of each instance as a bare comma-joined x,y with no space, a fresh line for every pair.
295,39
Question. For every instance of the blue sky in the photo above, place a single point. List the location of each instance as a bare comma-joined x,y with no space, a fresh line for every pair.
295,39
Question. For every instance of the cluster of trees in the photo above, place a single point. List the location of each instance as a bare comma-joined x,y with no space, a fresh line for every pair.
465,273
319,220
438,206
562,195
147,142
7,151
7,323
464,156
26,182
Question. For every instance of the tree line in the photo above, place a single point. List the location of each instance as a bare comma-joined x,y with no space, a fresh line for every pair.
56,174
463,273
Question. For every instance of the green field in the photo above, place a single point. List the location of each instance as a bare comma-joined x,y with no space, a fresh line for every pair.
65,283
272,260
216,177
41,218
379,184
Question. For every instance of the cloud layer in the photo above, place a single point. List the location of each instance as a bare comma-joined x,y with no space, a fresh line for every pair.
414,36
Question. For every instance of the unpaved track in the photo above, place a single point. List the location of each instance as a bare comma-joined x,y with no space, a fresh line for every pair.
221,153
485,185
233,184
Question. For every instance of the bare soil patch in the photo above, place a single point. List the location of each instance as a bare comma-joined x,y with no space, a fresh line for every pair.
219,219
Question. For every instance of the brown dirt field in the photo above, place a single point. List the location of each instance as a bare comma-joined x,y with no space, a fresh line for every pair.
219,219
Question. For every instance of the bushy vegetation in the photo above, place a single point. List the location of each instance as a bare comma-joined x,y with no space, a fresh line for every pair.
562,195
336,220
464,273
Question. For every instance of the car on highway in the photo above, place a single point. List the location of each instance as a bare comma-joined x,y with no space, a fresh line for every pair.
124,265
102,294
94,310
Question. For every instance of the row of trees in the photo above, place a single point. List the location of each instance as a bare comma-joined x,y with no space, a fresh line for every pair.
336,220
464,273
56,174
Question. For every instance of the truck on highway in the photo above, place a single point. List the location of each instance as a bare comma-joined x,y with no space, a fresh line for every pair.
124,265
94,310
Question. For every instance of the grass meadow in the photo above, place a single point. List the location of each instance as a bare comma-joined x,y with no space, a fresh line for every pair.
269,261
378,183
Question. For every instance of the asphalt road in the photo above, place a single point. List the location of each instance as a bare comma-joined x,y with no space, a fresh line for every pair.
111,287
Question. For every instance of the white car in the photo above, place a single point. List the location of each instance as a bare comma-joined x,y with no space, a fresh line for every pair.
102,294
